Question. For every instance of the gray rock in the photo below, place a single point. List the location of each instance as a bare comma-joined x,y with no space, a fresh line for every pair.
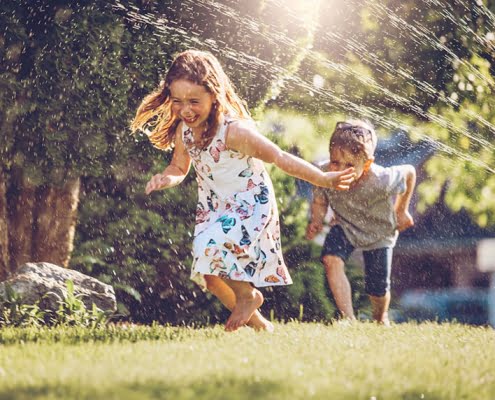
47,283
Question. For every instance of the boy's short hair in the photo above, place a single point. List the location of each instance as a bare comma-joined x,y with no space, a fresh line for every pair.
356,136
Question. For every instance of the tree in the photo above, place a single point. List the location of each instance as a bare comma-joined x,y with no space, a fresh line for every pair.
426,66
74,74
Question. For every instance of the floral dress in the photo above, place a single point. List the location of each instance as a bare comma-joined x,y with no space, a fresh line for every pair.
237,233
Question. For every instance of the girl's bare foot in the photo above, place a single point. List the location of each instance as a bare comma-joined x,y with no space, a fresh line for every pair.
243,310
260,323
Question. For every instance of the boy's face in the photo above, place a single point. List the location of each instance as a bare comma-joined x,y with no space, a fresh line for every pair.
341,159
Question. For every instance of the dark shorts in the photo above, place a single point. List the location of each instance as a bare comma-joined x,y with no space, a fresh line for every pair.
377,262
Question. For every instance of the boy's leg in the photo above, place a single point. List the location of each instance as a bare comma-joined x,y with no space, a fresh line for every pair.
378,267
248,300
339,285
336,250
380,308
226,296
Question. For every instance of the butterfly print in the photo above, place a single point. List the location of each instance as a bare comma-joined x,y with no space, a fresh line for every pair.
257,250
217,263
188,138
206,170
250,268
272,279
245,237
235,154
211,248
281,273
250,184
235,273
262,197
202,215
215,150
237,250
212,201
248,172
236,215
227,223
262,223
244,209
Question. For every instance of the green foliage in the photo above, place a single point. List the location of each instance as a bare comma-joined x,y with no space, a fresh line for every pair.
426,67
14,313
76,72
71,312
141,244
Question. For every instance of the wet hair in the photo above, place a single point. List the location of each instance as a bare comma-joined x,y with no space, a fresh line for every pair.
355,136
155,115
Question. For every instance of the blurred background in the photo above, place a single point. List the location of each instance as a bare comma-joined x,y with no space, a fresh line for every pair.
72,177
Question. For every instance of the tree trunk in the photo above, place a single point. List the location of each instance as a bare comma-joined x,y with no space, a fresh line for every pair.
4,237
20,206
55,222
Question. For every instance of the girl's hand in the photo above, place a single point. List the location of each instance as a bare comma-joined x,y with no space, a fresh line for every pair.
404,220
340,180
157,182
313,229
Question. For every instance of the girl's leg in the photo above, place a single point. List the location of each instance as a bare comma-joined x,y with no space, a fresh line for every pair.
339,285
248,300
227,297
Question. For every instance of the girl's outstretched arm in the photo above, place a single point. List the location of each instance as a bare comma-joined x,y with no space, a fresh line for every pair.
176,171
244,138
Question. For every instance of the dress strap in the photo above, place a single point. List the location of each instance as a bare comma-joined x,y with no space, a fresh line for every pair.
222,130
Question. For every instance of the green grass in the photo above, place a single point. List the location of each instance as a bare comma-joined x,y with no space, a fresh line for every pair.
298,361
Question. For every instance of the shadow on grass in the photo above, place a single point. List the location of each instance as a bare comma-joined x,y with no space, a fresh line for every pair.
217,390
214,390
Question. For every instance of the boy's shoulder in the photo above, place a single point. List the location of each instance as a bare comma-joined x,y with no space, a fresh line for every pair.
379,172
386,178
324,165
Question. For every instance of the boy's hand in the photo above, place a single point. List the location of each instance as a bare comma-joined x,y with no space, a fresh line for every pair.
157,182
340,180
313,229
404,220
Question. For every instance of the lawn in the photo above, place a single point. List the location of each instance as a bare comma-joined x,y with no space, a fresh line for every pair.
298,361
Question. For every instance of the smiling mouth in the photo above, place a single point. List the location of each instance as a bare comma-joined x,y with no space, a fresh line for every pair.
190,120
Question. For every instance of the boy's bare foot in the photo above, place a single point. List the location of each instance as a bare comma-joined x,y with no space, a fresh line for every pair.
243,310
260,323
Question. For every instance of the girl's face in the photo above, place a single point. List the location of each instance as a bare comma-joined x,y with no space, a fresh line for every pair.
192,103
341,159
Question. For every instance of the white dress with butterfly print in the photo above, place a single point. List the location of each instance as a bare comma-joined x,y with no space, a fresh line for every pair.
237,233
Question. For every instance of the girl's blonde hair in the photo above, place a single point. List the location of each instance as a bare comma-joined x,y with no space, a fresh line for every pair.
202,68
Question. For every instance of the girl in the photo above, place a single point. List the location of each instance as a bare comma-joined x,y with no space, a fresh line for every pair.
236,245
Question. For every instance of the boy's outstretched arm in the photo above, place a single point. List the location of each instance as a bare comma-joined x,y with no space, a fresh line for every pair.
319,208
244,138
404,218
175,172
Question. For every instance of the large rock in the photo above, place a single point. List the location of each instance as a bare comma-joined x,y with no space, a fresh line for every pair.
47,283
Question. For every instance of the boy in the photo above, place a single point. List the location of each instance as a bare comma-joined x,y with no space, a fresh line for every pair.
366,216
